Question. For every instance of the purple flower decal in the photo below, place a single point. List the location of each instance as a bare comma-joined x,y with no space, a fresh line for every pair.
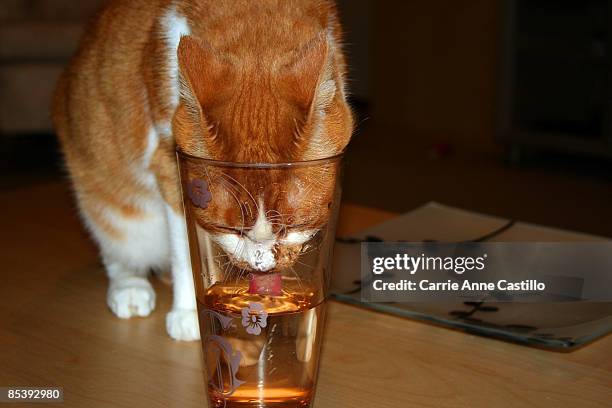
254,318
198,192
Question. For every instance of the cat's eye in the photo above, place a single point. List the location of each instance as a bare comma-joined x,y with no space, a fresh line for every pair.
298,237
231,230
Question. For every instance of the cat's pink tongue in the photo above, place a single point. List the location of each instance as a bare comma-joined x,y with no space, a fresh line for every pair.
265,284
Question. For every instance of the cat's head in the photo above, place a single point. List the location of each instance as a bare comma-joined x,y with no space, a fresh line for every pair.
264,110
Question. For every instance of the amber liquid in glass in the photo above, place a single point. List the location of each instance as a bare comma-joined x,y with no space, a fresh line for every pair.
256,359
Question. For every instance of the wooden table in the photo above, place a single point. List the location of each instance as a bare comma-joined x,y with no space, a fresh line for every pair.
55,329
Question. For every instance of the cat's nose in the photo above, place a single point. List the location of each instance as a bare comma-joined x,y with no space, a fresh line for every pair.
263,260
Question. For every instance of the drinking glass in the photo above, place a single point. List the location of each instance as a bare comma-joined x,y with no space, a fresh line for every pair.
260,240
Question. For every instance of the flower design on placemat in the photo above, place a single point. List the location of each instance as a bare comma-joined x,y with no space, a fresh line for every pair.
254,318
198,192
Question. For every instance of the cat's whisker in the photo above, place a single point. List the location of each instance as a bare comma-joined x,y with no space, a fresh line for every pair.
274,218
311,248
297,277
239,206
227,271
220,258
241,274
276,215
239,256
310,267
245,189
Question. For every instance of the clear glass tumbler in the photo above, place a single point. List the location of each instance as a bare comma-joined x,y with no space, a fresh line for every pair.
260,238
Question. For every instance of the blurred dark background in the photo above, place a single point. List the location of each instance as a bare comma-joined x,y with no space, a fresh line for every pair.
502,107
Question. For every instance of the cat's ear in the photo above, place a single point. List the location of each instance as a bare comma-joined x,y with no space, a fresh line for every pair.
308,76
204,78
316,88
204,74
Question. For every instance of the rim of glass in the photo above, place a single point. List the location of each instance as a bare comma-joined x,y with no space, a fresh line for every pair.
302,163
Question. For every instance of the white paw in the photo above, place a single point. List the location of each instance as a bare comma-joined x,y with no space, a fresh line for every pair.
182,324
133,296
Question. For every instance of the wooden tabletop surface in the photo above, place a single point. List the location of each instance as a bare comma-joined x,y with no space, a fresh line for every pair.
55,330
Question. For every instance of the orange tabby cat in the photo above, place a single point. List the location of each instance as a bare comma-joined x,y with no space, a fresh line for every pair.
236,80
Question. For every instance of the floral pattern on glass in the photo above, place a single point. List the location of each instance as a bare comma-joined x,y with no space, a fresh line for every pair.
254,318
199,193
